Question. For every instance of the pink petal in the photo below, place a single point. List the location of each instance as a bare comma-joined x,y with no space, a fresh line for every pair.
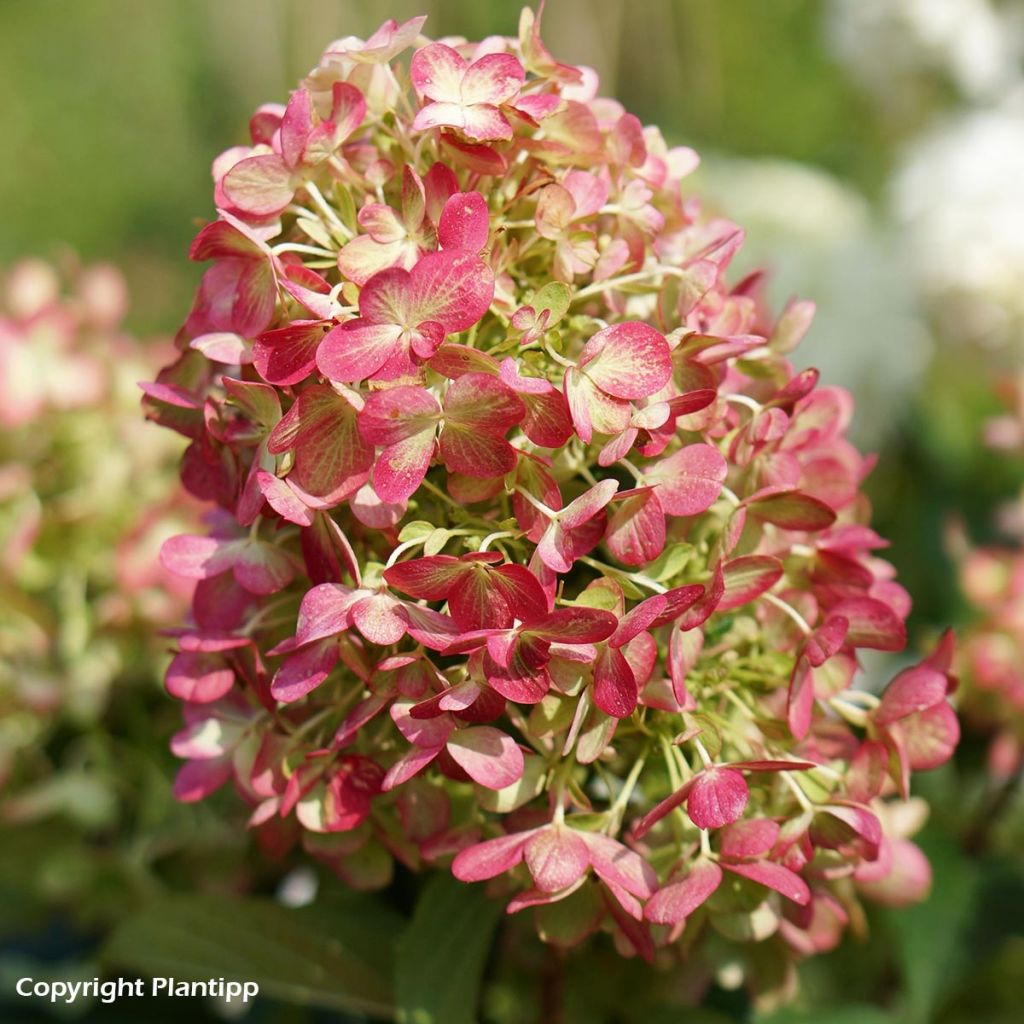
259,185
409,765
637,619
792,511
379,618
627,360
557,857
800,699
752,838
465,222
593,410
847,825
332,457
223,347
325,611
263,568
617,865
491,858
476,455
663,808
636,529
481,402
615,689
776,877
296,125
914,689
288,355
578,625
484,123
746,578
397,414
689,481
872,624
401,467
196,780
304,671
495,78
198,558
430,628
588,504
199,677
677,900
437,72
678,601
283,500
454,288
487,755
929,737
826,640
356,349
717,797
431,578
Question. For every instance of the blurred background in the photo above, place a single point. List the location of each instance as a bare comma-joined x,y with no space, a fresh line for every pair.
873,149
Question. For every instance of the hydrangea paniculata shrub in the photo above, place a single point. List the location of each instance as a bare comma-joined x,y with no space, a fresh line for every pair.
80,583
532,555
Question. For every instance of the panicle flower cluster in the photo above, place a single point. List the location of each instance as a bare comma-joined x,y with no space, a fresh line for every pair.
992,580
85,502
531,549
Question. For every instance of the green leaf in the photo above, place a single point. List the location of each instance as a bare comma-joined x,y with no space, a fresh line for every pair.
442,954
930,935
416,530
670,562
436,541
859,1014
290,956
555,298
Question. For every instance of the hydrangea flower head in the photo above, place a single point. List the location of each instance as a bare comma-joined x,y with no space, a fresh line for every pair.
533,557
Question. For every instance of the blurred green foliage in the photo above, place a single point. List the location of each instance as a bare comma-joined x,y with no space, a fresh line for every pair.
114,110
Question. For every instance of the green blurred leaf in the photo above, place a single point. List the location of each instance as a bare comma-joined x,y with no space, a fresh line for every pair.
292,959
442,954
837,1015
929,936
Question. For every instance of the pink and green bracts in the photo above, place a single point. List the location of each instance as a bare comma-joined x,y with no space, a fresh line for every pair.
532,557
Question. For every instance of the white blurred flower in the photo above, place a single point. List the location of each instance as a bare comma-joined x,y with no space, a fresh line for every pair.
960,197
974,42
818,238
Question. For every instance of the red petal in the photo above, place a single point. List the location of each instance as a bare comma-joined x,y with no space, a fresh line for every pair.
717,797
576,625
431,578
792,510
748,577
288,355
615,689
776,877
